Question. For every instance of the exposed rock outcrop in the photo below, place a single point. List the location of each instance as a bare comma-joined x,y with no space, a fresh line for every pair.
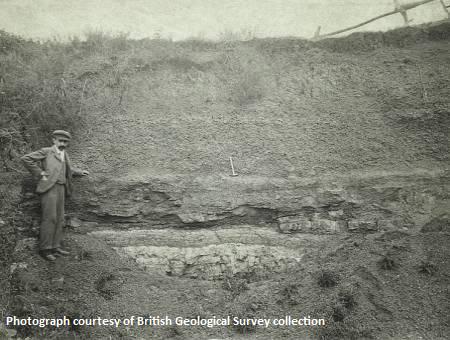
246,251
359,203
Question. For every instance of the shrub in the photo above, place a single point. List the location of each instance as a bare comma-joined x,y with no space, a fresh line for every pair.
98,41
12,43
347,299
428,268
327,279
339,313
36,97
236,284
289,294
387,262
105,285
244,311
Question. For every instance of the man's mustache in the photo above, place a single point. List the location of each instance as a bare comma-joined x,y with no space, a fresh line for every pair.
61,147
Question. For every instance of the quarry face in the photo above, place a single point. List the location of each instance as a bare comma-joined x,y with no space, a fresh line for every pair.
211,234
329,138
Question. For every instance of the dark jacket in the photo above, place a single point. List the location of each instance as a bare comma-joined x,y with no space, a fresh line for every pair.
47,160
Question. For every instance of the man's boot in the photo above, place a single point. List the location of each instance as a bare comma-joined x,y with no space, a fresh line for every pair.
60,251
47,255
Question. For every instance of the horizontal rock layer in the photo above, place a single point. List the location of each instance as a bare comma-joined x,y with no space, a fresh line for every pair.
357,203
249,252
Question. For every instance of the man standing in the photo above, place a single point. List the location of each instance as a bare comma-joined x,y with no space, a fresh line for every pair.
53,168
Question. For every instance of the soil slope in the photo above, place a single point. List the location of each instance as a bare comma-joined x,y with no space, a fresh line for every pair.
282,107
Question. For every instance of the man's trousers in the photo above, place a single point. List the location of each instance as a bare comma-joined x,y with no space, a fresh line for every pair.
52,204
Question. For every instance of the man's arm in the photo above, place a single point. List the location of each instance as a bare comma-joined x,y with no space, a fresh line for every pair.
31,161
79,172
76,171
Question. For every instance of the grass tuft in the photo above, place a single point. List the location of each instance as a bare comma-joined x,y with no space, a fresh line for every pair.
104,287
289,294
428,268
387,262
347,299
327,279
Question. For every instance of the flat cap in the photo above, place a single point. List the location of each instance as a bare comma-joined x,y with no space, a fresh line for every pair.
62,134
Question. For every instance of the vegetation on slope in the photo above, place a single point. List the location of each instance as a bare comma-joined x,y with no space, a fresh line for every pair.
286,106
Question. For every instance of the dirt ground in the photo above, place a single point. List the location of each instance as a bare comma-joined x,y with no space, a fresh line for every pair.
389,285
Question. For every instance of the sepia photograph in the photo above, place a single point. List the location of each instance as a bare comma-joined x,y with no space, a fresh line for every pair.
217,170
